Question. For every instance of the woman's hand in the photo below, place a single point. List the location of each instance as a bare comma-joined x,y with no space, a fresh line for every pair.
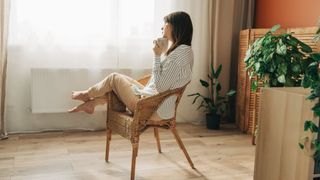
156,49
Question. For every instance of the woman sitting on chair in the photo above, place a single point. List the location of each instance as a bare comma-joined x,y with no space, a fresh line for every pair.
172,72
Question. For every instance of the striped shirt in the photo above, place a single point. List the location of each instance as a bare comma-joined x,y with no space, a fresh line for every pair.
172,72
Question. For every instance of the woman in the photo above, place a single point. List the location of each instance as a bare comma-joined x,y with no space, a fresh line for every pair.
172,72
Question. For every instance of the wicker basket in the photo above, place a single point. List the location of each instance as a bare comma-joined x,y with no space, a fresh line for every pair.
248,101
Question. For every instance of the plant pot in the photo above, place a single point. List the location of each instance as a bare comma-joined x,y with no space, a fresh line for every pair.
213,121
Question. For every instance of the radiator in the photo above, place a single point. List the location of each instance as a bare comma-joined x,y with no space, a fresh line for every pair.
51,88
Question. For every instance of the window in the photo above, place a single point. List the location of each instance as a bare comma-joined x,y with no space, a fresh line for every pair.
82,33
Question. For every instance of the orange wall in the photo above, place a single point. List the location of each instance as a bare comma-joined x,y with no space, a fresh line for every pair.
287,13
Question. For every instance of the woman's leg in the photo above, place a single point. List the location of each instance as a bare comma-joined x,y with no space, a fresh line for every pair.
118,83
103,87
89,105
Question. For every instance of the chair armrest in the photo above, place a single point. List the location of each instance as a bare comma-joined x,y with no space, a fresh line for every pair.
147,106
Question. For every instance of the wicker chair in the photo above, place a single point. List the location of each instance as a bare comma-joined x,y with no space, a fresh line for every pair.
131,126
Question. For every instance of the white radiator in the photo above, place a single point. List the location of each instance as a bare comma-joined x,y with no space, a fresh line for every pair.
51,88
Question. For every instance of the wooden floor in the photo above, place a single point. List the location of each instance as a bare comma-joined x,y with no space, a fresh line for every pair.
225,154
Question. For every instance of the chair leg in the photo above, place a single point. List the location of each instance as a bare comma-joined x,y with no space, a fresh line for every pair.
179,141
108,144
156,135
135,147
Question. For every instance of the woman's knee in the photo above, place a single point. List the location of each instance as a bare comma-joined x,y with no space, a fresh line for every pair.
114,76
117,79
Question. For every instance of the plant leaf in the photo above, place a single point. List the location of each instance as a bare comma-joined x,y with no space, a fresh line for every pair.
256,66
305,48
306,82
301,146
281,48
296,68
248,54
193,94
212,70
201,105
315,56
231,93
218,87
293,41
216,75
254,85
195,99
275,28
312,96
309,125
281,79
316,109
204,83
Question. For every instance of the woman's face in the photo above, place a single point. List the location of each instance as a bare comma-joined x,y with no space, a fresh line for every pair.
167,31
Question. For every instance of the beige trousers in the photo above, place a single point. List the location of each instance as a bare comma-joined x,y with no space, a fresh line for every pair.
121,85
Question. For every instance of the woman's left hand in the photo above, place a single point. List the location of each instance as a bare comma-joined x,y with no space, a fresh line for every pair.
156,49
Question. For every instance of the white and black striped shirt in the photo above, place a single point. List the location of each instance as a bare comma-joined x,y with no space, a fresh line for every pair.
171,73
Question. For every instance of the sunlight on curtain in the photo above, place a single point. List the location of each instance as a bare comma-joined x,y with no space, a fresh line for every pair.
90,34
82,33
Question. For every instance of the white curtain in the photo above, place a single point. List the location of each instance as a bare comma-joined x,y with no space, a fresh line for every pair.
81,33
90,34
4,15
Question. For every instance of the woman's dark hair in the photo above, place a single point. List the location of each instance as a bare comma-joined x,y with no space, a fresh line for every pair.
181,29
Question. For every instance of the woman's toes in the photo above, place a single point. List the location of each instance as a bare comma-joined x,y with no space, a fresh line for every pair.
87,107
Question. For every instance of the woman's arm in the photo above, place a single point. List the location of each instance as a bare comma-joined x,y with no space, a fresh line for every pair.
166,75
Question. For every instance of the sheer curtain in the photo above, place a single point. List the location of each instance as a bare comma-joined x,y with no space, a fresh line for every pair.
82,33
90,34
4,15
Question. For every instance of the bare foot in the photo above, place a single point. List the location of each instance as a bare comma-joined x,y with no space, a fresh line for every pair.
80,95
87,107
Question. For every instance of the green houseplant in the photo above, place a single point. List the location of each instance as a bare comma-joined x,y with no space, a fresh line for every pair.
215,105
311,79
277,60
283,60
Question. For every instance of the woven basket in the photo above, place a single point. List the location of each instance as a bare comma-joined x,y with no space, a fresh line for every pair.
248,101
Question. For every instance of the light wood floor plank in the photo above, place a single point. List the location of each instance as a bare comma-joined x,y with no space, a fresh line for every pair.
217,154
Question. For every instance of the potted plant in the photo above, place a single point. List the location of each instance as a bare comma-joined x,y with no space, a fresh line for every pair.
311,79
277,60
215,105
